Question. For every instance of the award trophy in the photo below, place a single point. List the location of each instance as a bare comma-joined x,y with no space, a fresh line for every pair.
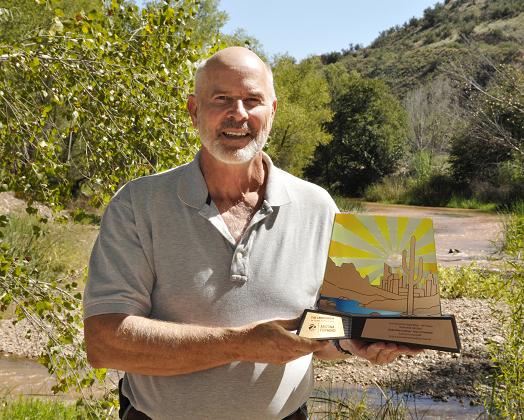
381,284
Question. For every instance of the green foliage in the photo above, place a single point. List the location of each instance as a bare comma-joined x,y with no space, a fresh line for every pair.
97,100
29,239
23,19
369,130
491,148
240,37
210,20
437,189
51,249
459,202
51,306
507,397
348,204
28,408
469,281
434,116
94,99
514,230
391,190
303,110
506,290
502,9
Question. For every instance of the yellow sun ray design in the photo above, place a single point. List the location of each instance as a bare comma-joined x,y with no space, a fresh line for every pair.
352,223
382,224
336,249
427,249
378,232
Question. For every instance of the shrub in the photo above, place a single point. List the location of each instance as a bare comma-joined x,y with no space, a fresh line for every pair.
437,190
507,397
469,281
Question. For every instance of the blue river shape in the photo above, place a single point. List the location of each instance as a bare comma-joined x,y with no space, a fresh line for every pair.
354,307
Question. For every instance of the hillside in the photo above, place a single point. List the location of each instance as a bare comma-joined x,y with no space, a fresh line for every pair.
454,31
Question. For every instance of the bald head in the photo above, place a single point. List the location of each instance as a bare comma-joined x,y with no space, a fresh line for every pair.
234,58
233,105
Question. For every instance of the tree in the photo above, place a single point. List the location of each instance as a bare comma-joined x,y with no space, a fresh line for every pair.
369,130
22,19
303,109
207,23
494,134
433,115
98,99
240,37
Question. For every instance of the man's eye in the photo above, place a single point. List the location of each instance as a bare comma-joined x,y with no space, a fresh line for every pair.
252,101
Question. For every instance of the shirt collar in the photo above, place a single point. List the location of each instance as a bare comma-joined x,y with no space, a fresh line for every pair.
192,189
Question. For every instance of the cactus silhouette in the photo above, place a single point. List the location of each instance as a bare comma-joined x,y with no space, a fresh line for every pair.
408,267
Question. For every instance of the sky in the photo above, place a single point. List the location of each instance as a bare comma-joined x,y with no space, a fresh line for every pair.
309,27
306,27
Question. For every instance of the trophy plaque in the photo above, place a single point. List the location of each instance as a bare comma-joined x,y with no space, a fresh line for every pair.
381,284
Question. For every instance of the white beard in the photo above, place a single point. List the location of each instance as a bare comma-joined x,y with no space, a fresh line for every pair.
229,155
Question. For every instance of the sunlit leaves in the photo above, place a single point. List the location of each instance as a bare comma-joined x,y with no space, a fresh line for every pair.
303,109
100,99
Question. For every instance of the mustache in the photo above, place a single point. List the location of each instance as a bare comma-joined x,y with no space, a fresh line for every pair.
233,124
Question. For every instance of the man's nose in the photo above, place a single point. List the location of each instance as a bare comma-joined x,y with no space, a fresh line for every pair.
238,110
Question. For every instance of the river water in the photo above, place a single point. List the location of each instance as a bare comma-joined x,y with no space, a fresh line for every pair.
474,234
413,407
28,378
470,235
23,377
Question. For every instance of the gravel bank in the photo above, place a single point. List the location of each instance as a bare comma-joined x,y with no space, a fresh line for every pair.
437,374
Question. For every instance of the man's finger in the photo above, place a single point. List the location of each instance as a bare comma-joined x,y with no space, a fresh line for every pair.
387,354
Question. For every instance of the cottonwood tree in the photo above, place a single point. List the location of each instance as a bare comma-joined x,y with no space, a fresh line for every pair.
303,110
98,99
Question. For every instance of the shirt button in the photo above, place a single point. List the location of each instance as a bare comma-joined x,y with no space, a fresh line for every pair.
239,279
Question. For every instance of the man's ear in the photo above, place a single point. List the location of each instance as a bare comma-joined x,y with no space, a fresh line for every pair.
274,108
192,108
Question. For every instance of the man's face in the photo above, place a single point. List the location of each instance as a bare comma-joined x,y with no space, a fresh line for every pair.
233,111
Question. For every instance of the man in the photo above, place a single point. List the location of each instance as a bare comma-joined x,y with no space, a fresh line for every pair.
199,273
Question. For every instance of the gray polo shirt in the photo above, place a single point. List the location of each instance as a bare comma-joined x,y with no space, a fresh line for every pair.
164,252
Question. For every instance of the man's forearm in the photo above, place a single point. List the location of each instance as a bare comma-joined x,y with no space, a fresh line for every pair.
152,347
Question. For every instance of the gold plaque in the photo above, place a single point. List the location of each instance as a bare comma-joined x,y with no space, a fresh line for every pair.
436,332
321,326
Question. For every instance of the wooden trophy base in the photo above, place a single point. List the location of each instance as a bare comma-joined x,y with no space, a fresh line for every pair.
428,332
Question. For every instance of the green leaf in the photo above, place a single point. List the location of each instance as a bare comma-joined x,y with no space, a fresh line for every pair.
35,63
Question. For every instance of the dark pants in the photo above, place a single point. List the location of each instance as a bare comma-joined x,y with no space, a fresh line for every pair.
127,412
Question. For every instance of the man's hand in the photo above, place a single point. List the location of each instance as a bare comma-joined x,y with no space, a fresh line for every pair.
378,353
274,342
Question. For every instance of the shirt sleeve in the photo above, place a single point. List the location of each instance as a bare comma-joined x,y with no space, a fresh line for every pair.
120,278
